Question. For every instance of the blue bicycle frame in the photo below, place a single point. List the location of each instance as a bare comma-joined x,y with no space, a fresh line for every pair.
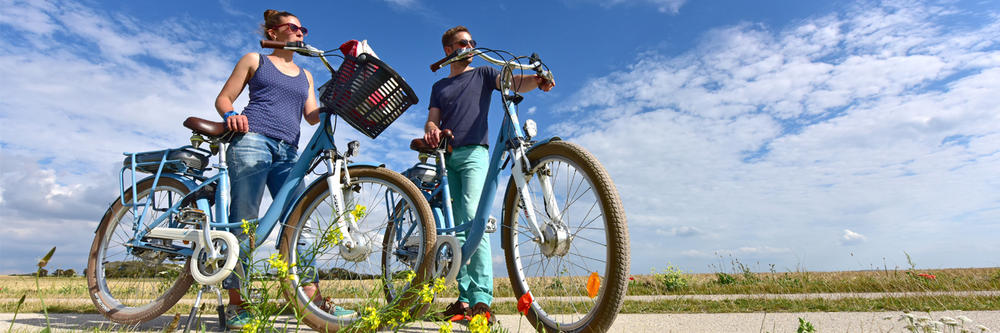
510,138
322,140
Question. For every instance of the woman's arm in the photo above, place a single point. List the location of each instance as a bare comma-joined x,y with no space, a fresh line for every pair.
311,109
234,86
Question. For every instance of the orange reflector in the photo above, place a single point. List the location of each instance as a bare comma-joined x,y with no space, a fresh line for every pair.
187,242
593,284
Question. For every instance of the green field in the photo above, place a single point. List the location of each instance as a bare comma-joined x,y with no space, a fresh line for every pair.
687,292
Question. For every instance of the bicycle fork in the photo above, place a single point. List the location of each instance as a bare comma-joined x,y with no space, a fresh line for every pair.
341,192
521,176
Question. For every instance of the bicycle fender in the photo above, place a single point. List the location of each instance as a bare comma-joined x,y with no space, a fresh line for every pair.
544,141
190,184
366,164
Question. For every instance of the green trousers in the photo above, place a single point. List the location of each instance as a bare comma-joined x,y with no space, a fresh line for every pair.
466,175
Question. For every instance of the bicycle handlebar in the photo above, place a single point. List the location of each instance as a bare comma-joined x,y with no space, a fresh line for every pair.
535,65
300,48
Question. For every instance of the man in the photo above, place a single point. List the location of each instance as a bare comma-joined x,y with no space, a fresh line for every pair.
461,102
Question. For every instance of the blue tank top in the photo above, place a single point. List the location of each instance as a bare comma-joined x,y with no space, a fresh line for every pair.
276,102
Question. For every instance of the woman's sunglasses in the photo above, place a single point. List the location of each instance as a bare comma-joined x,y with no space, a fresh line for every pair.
293,28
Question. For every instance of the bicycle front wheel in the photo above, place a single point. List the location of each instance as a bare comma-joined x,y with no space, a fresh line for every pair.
394,237
577,277
134,285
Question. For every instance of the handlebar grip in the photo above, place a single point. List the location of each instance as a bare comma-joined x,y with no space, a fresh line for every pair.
437,65
273,44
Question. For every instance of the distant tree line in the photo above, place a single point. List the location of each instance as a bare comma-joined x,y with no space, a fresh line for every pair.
57,273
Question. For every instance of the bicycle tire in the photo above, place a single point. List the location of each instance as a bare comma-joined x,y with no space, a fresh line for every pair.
307,217
112,300
561,158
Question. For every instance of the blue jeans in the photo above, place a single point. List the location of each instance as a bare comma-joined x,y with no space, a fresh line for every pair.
467,166
255,161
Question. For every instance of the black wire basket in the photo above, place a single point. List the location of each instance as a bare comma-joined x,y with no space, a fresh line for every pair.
367,93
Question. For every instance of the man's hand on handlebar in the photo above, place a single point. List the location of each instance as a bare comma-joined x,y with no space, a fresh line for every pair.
238,123
433,136
544,84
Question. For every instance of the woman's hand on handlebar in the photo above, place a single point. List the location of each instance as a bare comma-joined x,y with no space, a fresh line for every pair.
238,123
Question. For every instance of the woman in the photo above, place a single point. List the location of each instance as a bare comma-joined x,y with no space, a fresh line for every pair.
264,149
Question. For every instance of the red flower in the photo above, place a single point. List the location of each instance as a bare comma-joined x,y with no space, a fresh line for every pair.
630,278
927,276
524,303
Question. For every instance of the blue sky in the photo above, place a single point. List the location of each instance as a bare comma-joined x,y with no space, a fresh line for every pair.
816,135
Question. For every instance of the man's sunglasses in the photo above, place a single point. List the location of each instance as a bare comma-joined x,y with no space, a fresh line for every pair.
465,43
293,28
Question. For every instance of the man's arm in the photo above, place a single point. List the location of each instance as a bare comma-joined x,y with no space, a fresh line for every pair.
432,133
526,83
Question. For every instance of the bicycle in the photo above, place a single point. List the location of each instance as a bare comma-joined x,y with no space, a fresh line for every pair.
151,244
554,247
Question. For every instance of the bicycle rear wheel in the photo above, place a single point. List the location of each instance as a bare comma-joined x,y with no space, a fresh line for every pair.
386,205
131,287
578,277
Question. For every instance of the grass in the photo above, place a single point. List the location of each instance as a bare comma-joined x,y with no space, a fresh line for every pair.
958,279
69,295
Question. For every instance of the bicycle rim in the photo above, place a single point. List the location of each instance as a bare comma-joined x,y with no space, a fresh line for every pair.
132,287
355,278
578,286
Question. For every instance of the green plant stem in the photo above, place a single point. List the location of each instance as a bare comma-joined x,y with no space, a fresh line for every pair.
18,308
45,309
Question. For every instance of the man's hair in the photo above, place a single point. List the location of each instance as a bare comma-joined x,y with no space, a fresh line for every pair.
450,34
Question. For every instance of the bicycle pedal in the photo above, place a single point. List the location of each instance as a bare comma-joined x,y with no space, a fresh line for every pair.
491,225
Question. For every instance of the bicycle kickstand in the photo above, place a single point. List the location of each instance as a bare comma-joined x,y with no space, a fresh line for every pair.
221,309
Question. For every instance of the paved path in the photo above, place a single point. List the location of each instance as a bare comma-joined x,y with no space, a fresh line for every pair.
726,322
646,298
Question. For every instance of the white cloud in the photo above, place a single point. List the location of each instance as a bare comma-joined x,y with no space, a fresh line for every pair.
664,6
78,92
850,238
682,231
403,3
880,115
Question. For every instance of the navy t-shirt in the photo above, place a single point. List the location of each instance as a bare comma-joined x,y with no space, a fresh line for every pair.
464,101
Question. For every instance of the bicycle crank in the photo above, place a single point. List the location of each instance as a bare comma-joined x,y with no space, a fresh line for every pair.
447,257
205,269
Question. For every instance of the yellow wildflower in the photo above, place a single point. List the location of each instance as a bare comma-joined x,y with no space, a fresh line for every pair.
439,285
426,294
279,265
445,328
253,326
358,212
371,320
478,324
392,323
332,237
245,226
404,317
409,275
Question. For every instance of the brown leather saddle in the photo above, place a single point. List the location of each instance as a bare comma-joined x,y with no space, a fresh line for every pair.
420,145
206,127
